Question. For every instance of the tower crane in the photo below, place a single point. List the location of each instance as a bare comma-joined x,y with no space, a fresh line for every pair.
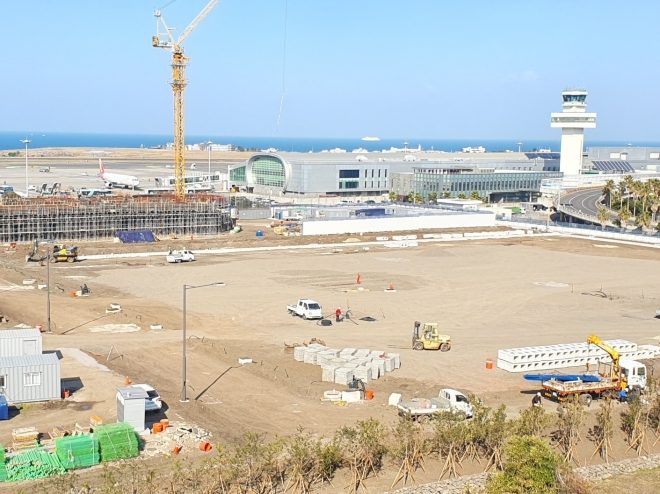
164,39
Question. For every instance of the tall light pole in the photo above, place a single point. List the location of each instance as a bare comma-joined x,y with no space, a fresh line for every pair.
184,398
208,145
26,141
48,290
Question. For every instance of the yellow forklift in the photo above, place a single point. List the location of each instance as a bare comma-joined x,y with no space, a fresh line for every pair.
62,253
428,338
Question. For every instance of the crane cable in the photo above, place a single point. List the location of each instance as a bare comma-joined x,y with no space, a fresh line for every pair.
167,4
286,11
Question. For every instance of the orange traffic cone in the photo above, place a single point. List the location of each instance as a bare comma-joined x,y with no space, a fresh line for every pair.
128,381
359,278
391,287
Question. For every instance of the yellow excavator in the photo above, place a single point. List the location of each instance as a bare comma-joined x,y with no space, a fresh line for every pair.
62,253
612,352
428,338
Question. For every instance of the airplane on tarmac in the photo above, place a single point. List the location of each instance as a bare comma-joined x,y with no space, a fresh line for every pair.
118,180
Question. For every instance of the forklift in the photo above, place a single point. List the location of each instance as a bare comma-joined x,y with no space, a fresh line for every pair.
428,338
62,253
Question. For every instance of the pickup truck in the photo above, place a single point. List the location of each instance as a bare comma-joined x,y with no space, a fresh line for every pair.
180,256
448,400
306,308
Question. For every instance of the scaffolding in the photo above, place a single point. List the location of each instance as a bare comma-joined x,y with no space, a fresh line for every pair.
63,219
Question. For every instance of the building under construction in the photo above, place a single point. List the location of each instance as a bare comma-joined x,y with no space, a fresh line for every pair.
63,219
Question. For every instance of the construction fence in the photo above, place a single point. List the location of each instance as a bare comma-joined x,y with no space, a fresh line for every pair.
101,218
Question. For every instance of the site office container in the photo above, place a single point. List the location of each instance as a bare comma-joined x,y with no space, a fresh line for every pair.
30,378
20,342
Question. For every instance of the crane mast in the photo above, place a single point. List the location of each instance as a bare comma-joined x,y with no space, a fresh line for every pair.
178,83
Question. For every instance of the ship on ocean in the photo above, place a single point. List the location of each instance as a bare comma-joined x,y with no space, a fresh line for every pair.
371,138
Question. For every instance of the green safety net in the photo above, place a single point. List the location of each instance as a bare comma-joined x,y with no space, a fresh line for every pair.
77,451
33,464
116,441
3,467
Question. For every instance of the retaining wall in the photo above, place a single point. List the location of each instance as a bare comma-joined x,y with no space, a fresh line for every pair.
397,223
592,473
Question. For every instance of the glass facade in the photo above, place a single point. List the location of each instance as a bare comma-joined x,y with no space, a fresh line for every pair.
237,174
269,171
575,97
428,181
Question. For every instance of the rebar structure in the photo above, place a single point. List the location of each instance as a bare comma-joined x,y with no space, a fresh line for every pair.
101,218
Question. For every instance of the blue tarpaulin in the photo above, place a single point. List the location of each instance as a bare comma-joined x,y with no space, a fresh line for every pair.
136,236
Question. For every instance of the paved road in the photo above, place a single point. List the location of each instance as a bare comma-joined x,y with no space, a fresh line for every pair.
584,200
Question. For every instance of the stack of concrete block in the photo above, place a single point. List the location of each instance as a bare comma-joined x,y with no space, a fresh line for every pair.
388,362
363,363
310,355
544,358
363,372
343,376
299,353
397,359
328,373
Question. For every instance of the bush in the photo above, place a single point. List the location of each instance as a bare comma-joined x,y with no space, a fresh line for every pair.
531,466
363,449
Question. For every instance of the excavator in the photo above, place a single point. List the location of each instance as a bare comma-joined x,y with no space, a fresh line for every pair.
62,253
428,338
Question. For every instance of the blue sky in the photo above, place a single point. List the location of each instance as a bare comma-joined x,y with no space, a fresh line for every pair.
424,68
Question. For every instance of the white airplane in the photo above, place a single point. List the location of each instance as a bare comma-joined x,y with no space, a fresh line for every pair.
115,179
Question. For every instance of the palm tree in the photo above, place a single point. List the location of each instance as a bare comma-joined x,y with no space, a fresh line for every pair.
393,196
628,182
432,197
623,216
475,195
643,220
418,198
603,216
622,190
608,189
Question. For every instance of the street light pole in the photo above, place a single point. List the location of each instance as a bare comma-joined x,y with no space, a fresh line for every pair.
184,398
209,146
48,290
26,141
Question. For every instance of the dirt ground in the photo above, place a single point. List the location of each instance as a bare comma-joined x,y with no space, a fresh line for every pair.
482,293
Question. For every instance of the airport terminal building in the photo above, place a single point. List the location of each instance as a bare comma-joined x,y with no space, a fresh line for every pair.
367,175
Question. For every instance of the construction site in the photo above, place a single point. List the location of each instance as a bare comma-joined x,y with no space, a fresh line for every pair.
25,220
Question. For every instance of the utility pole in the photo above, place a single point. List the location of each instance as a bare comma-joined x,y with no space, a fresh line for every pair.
26,141
208,144
48,291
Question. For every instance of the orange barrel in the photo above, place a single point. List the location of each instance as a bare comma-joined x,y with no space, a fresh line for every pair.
66,393
38,326
165,424
489,363
158,427
369,394
205,447
73,294
176,450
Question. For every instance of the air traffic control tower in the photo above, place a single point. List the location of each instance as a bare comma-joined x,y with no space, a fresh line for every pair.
572,121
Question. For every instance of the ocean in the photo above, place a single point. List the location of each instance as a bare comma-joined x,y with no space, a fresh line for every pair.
11,140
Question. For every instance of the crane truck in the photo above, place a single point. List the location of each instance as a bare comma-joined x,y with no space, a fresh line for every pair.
608,380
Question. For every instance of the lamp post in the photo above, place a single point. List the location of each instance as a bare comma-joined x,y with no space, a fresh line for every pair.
26,141
184,399
208,145
48,290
